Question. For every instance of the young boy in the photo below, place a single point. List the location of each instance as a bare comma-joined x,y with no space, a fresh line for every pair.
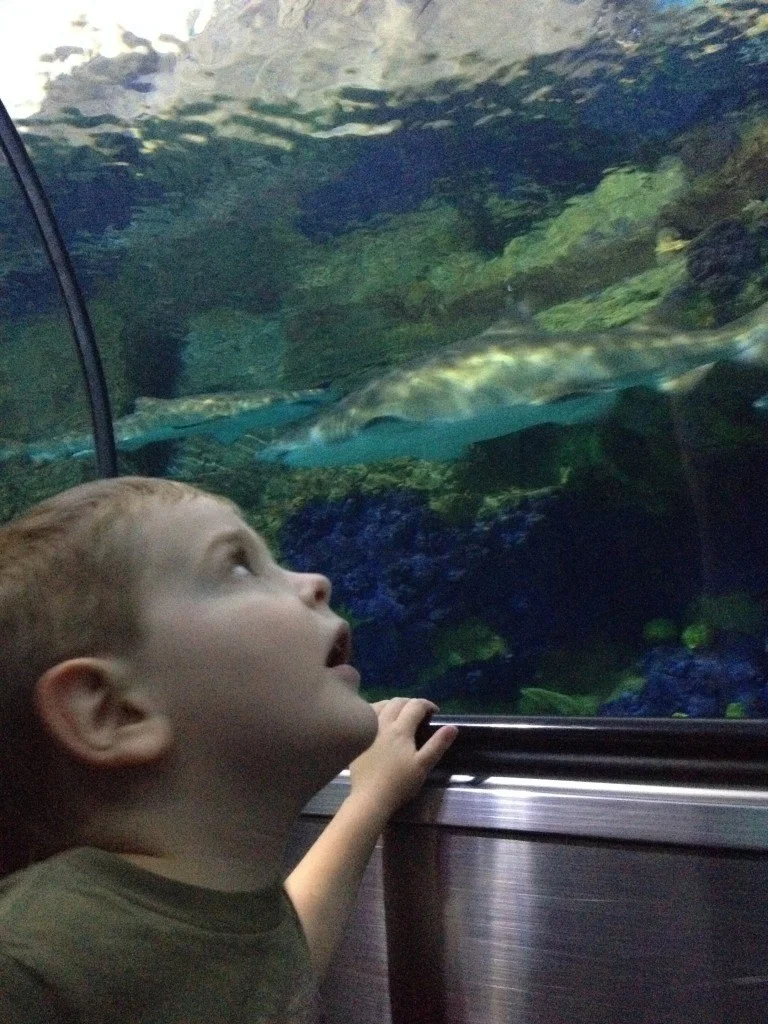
170,698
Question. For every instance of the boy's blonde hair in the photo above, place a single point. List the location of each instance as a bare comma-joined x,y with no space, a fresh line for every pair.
69,573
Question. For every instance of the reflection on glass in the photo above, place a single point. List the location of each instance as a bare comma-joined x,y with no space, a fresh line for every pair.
464,303
41,386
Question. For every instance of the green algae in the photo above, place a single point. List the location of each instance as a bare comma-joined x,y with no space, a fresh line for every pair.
734,612
660,631
697,636
537,701
228,349
41,383
735,710
626,201
461,644
387,263
598,239
616,305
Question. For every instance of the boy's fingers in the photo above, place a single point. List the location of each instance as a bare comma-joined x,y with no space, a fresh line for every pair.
394,706
414,709
388,710
436,746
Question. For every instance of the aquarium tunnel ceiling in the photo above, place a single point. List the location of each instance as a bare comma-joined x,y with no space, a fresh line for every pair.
463,302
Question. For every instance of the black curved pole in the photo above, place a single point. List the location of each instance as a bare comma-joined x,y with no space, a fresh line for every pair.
82,329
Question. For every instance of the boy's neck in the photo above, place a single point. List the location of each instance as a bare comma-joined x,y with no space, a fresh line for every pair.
228,848
226,874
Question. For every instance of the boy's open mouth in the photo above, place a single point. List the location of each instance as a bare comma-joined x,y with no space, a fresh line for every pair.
341,651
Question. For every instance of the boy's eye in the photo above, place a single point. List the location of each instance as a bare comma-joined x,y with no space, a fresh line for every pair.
241,559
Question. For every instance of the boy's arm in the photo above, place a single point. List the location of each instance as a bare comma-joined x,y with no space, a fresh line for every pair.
323,886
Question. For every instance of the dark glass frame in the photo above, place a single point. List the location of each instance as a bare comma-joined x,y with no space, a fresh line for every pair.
681,751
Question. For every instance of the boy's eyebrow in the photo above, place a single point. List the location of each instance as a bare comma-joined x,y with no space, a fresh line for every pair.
239,535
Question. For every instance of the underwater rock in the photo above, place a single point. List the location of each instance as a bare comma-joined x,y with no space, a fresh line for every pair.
39,352
724,193
705,148
230,350
721,259
598,239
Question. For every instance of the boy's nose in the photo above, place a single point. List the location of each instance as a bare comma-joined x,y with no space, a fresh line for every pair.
315,588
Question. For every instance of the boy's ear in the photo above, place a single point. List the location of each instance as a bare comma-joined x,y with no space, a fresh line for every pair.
87,706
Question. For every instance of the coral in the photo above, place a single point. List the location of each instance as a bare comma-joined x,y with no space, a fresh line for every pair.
680,681
400,569
532,575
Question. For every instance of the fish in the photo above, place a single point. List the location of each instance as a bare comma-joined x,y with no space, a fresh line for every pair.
507,379
225,416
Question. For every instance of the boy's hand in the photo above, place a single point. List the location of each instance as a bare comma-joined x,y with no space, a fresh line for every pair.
392,771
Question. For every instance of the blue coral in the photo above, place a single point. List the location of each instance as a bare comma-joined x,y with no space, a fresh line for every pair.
697,684
535,575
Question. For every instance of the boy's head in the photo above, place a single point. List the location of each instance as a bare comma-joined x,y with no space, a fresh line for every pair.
148,639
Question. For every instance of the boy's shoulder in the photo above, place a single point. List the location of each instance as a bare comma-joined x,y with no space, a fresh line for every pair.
103,934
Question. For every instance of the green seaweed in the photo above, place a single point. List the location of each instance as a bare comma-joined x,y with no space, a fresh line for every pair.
616,305
697,636
736,611
735,710
537,701
660,631
458,645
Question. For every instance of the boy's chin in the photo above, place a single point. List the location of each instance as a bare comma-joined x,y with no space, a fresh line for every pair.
363,727
354,732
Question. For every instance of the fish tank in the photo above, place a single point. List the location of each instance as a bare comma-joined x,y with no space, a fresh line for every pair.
464,303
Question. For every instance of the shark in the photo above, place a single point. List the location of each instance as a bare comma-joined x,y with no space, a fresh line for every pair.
225,416
506,379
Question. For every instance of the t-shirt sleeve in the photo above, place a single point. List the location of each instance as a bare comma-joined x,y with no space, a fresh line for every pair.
24,998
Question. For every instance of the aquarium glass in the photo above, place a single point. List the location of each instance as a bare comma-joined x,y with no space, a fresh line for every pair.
44,411
463,301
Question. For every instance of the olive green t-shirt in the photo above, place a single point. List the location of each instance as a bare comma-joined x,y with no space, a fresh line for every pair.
86,937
